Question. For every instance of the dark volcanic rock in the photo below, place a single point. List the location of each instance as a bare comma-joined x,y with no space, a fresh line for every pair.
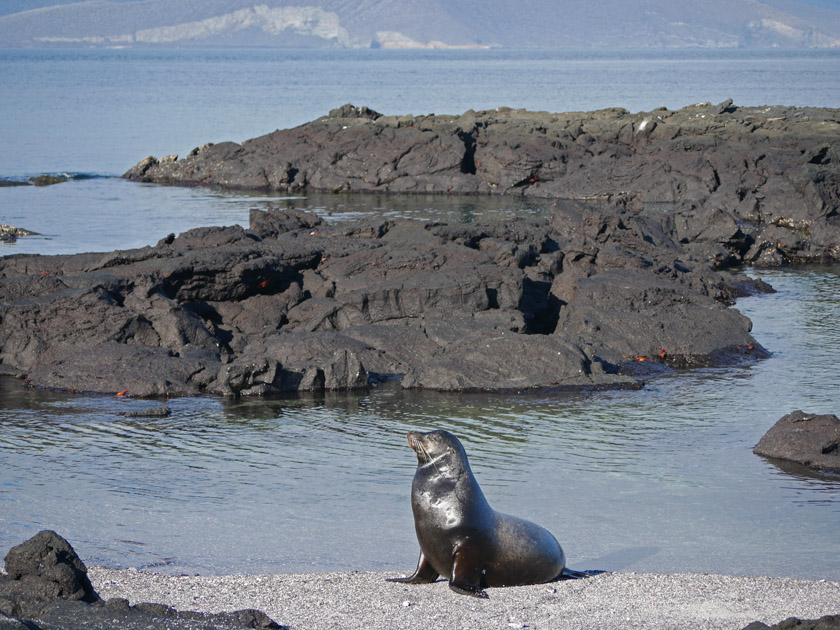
161,411
472,363
808,439
136,369
44,568
47,588
293,304
761,182
598,296
272,223
680,327
118,614
829,622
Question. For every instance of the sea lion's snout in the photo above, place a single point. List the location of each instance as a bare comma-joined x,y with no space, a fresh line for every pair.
415,441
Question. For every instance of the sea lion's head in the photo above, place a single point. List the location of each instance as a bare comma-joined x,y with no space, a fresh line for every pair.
436,447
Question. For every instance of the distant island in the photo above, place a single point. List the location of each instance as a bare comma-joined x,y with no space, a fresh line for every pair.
436,24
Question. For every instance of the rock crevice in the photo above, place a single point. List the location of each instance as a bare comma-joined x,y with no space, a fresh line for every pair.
597,296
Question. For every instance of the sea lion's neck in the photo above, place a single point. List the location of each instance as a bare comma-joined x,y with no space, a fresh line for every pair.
444,460
445,465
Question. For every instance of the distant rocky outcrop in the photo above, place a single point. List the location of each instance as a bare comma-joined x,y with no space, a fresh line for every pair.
11,233
46,588
594,297
811,440
758,186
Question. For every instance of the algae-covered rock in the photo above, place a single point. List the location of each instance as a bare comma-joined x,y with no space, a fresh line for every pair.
47,180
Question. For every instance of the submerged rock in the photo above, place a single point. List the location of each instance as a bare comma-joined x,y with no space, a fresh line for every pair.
47,180
808,439
161,411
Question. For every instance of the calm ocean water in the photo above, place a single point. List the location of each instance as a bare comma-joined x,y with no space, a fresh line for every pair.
98,112
661,479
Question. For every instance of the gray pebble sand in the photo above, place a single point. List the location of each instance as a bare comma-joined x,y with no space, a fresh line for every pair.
366,600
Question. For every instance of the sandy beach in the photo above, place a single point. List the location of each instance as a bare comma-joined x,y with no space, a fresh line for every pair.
366,600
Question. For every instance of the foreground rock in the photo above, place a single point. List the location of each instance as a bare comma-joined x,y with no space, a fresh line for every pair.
808,439
829,622
40,570
47,588
765,181
595,297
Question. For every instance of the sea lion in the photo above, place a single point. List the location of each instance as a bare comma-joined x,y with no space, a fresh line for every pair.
461,537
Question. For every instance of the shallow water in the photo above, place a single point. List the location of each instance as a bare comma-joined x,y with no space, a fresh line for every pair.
99,214
661,479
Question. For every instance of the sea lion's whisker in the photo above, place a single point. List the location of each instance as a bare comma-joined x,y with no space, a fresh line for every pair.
430,459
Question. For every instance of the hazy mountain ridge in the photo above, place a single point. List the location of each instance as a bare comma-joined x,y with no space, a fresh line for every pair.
435,23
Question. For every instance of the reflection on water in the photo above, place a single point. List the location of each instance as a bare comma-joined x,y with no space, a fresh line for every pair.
98,214
661,479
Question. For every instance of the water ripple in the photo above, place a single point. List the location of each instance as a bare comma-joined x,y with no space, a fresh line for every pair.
286,482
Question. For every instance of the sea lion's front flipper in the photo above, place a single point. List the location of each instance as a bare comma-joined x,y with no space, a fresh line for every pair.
467,571
424,574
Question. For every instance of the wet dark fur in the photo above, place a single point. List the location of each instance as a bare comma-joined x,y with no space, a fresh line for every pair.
461,537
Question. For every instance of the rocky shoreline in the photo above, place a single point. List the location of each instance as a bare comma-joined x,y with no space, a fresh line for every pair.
592,298
631,278
773,170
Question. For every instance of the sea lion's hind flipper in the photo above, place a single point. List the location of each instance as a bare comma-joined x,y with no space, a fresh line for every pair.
467,572
423,574
571,574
